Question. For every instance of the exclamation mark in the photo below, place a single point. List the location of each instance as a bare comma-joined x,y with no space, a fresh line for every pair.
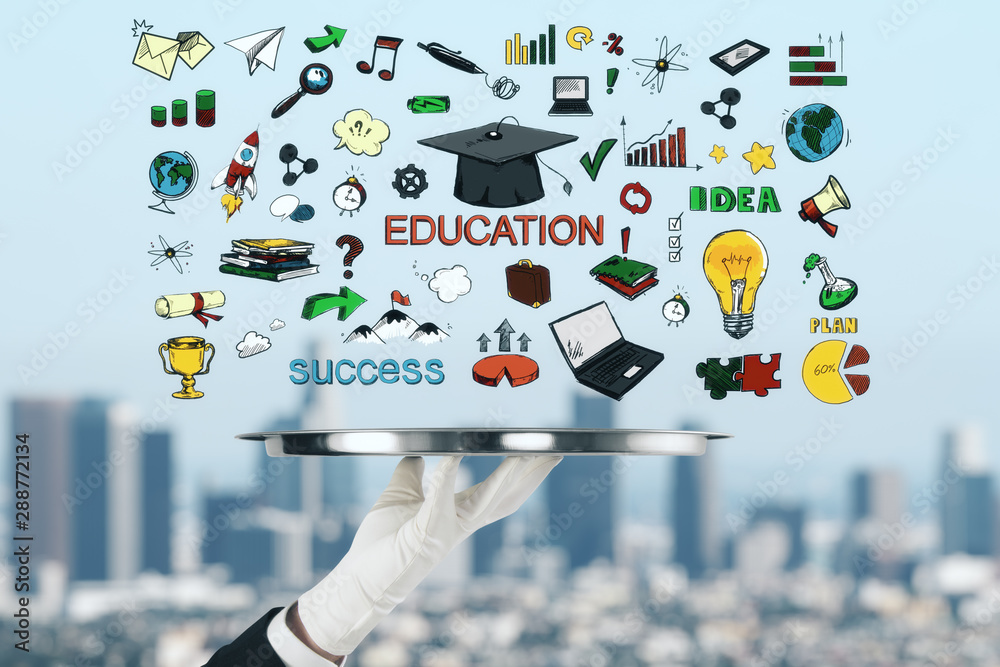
612,77
625,232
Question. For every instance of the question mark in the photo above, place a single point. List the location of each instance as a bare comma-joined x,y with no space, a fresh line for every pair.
358,125
355,249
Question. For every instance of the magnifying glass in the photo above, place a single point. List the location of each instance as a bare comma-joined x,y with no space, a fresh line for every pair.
315,79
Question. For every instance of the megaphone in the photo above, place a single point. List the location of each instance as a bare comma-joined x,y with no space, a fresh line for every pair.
830,198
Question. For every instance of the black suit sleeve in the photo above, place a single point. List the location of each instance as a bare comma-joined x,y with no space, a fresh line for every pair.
251,649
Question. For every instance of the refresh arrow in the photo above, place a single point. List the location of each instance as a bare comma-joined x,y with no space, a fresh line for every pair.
346,300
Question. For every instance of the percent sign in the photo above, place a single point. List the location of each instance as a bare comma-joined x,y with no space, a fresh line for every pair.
615,41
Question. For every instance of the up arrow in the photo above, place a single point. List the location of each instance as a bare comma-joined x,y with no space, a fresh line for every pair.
483,343
505,330
524,340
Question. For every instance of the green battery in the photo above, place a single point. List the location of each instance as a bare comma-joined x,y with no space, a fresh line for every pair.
817,80
179,113
806,51
204,103
812,66
158,116
429,104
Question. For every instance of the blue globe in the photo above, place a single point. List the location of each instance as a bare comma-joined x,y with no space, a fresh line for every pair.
171,174
814,132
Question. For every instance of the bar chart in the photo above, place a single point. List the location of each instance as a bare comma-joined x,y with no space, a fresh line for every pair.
665,152
805,71
541,51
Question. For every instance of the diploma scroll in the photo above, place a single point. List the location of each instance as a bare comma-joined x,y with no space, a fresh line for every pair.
179,305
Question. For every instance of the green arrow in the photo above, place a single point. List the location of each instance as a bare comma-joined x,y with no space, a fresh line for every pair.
334,36
317,304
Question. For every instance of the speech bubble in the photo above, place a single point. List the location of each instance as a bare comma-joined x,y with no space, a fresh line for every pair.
303,212
284,206
361,133
287,206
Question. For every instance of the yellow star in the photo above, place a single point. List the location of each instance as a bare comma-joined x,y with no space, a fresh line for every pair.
719,153
759,156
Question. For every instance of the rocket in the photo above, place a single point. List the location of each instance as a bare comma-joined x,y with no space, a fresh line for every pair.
238,176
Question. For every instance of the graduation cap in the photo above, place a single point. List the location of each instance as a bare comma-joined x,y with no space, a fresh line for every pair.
497,165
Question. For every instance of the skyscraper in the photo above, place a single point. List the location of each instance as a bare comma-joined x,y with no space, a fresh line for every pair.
967,505
487,541
89,518
588,481
48,423
876,501
157,509
876,495
695,521
89,513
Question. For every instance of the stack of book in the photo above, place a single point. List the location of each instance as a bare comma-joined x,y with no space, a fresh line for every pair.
625,276
269,259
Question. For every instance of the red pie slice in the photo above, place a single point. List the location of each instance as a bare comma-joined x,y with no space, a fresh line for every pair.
516,368
856,357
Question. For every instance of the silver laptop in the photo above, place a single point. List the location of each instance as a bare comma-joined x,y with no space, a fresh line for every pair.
570,95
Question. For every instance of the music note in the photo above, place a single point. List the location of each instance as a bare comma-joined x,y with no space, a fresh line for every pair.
382,42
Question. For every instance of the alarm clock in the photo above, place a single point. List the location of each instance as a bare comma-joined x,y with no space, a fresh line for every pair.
676,310
349,196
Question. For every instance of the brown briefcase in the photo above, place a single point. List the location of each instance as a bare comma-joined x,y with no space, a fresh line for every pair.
528,283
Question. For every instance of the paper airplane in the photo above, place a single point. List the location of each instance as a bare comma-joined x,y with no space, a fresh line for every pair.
158,54
260,48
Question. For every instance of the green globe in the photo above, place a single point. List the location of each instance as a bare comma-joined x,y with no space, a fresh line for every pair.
814,132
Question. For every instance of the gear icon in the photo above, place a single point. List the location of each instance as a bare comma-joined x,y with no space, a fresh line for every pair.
410,181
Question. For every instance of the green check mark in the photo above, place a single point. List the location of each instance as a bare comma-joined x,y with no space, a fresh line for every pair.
594,166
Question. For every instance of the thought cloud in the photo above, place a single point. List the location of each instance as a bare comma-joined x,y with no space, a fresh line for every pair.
277,324
449,284
252,343
361,133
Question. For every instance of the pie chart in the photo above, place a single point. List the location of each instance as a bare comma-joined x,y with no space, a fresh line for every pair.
517,368
821,371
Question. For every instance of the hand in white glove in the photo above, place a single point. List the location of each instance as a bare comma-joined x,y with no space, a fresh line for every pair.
403,537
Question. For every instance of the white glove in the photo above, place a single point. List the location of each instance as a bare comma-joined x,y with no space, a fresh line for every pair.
403,537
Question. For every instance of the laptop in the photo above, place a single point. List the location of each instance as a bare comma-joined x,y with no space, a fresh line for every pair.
570,95
599,355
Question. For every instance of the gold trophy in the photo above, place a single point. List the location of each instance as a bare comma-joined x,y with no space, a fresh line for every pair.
187,354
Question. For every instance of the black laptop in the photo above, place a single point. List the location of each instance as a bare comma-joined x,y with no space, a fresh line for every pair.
570,95
599,355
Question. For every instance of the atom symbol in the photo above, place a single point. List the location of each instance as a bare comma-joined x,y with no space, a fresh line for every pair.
660,66
171,252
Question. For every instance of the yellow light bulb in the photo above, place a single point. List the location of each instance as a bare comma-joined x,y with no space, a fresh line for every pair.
735,263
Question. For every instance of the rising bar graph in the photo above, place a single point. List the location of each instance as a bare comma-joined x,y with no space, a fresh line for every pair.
541,51
669,152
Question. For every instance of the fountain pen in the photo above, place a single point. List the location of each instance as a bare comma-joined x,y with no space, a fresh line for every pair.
450,58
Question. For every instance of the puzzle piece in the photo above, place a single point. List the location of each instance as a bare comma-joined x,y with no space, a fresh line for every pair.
719,377
758,377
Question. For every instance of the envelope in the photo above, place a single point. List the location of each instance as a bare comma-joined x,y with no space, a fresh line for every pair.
194,47
156,54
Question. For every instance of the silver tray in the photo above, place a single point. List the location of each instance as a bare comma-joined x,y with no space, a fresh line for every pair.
488,442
